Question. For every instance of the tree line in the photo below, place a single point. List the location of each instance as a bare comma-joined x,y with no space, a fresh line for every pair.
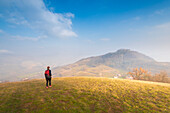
142,74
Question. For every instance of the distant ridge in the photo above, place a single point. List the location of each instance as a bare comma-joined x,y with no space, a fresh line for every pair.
110,64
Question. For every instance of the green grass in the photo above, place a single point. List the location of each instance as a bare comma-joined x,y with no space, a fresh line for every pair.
84,94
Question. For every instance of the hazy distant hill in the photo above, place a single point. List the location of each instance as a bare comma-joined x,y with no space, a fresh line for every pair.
110,64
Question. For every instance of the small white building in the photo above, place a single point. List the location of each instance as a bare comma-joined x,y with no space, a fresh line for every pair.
115,77
25,79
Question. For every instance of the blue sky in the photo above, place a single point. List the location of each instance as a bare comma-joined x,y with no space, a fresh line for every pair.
36,33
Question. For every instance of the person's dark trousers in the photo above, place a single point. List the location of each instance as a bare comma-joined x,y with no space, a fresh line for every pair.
48,80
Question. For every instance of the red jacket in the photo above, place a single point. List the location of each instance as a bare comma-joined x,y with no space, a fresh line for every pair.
48,73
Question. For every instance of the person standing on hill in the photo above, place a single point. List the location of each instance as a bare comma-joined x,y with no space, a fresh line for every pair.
48,76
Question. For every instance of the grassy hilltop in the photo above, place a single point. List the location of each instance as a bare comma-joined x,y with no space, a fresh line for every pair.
84,94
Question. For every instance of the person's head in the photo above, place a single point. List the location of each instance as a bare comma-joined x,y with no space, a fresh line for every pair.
48,67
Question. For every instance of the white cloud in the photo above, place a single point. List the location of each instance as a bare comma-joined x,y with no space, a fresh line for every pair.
1,31
69,15
29,38
159,34
89,41
33,14
1,15
67,33
3,51
18,37
161,31
105,39
159,12
137,18
163,26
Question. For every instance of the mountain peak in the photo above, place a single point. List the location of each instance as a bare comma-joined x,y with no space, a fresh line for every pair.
121,61
123,50
128,55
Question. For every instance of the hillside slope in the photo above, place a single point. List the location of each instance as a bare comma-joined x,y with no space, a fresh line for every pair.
111,64
84,94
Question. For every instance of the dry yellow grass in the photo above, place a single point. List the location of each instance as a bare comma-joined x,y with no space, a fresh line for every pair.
85,94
